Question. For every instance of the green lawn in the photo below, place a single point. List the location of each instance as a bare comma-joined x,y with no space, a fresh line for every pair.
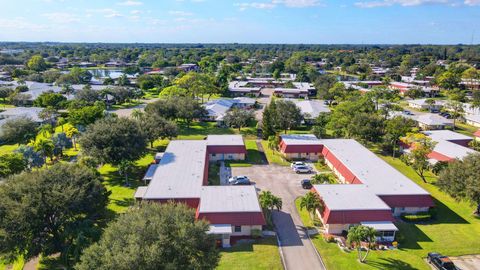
213,174
273,156
453,233
263,254
121,196
465,129
200,130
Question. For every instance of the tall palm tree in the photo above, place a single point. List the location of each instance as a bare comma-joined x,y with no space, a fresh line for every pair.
357,235
311,201
46,147
269,202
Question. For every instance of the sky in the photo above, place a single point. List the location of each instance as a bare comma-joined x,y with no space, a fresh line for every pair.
242,21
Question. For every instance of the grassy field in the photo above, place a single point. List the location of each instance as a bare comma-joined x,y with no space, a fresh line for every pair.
200,130
121,196
213,174
452,233
465,129
273,156
263,254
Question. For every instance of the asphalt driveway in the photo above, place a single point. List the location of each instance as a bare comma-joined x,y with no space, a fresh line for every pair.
297,249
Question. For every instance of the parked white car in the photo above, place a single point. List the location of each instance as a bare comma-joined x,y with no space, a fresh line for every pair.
297,163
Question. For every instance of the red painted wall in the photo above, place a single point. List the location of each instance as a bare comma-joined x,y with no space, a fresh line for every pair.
236,219
355,216
408,200
218,149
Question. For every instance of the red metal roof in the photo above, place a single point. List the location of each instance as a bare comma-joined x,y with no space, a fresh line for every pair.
477,133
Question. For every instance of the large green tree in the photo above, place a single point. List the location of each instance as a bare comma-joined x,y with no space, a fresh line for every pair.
155,127
287,115
153,236
18,130
12,163
41,211
112,140
358,234
461,180
238,118
37,63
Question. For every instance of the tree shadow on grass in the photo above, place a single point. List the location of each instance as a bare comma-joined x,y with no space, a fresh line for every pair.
411,235
390,264
445,215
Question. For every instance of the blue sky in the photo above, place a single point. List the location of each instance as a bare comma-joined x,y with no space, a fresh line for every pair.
242,21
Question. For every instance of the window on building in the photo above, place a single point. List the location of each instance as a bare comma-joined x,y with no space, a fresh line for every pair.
238,228
214,155
388,233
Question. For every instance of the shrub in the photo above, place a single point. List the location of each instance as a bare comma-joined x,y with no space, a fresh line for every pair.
256,233
328,238
418,217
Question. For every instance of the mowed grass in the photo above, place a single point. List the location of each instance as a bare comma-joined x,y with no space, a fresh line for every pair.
200,130
454,232
262,254
273,156
121,197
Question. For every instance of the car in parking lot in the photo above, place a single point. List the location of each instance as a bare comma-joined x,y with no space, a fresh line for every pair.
306,184
302,169
441,262
239,180
407,112
297,163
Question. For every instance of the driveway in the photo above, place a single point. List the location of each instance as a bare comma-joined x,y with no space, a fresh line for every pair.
467,262
297,249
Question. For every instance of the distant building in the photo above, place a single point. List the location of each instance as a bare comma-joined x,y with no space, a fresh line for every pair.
422,104
430,121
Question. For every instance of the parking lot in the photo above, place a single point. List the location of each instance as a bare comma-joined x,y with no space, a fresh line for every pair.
297,249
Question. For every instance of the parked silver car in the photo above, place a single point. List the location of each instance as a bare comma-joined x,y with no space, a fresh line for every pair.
239,180
302,169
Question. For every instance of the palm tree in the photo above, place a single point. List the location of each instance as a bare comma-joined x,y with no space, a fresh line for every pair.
124,168
358,234
46,129
311,201
137,114
269,202
72,133
46,147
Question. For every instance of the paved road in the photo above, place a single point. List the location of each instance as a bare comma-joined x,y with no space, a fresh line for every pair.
297,249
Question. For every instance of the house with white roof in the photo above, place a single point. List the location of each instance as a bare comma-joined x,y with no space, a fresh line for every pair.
376,192
449,145
430,121
182,177
311,109
17,112
422,104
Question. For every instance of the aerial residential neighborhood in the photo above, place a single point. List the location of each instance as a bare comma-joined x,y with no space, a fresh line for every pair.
204,134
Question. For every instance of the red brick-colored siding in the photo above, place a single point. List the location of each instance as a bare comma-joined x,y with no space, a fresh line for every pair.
408,200
235,219
217,149
355,216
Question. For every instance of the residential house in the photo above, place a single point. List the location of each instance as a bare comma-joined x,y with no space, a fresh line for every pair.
430,121
422,104
311,109
182,177
300,146
375,192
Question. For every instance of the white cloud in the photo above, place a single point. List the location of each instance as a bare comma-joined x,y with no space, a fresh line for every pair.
61,17
405,3
297,3
472,2
180,13
274,3
130,3
106,12
135,12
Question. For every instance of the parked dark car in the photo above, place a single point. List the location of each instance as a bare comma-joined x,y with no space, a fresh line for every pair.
306,184
441,262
